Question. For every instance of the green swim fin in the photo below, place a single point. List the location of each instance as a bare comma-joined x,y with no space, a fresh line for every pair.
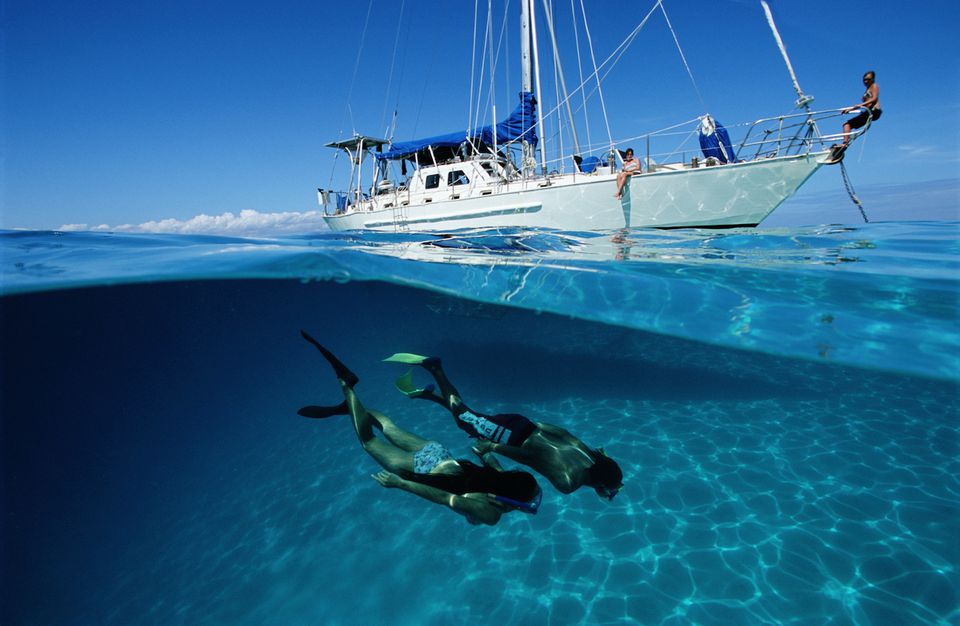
406,357
406,387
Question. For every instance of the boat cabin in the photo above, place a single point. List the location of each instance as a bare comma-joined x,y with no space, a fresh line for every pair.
455,177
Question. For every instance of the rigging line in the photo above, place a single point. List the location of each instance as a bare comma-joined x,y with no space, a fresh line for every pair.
576,38
393,61
356,66
506,44
558,79
475,121
618,52
493,54
473,61
492,94
684,58
536,77
663,131
593,58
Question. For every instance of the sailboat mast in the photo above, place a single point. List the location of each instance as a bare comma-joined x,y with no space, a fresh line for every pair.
526,72
536,75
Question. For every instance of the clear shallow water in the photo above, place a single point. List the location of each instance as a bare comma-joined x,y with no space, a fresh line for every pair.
784,405
848,295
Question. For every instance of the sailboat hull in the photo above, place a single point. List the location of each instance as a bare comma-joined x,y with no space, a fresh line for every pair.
722,196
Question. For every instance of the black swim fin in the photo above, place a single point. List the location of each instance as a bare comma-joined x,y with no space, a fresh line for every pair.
319,412
341,370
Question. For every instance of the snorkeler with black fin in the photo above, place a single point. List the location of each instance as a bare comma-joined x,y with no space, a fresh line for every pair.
481,493
553,452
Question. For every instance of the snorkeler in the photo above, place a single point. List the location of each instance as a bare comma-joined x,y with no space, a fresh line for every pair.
481,493
564,460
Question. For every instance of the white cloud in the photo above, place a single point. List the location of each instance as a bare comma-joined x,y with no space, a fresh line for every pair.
248,223
914,151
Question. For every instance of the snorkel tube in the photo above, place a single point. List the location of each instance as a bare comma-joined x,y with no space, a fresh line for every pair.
530,508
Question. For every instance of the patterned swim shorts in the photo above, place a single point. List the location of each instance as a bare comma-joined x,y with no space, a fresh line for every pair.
429,456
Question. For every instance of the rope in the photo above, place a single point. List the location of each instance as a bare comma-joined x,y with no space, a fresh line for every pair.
593,58
680,50
618,52
473,62
475,120
576,36
356,66
851,192
393,62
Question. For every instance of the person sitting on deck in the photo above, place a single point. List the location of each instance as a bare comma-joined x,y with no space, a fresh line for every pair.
631,166
481,493
561,458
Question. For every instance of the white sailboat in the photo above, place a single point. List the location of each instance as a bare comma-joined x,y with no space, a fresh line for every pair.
489,177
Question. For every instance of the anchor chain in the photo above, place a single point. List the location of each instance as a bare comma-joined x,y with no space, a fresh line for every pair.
851,192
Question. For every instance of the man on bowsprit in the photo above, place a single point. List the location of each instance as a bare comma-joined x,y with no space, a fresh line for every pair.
869,105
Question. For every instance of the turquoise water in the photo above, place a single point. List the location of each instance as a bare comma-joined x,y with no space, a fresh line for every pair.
784,404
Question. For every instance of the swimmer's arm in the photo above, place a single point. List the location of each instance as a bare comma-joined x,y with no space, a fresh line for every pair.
488,459
511,452
473,508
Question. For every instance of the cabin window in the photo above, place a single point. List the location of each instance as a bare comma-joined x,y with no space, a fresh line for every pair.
433,181
457,177
489,169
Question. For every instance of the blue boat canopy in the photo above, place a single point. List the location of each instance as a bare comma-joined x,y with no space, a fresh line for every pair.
715,141
520,125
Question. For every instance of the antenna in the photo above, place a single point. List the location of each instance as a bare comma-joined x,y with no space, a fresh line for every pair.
803,100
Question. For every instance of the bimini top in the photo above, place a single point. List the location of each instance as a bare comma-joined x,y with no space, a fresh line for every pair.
353,143
519,125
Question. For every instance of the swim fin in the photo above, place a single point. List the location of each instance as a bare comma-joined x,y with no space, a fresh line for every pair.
341,370
406,387
319,412
406,357
429,363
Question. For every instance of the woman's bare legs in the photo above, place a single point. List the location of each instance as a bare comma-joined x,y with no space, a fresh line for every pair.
450,398
401,438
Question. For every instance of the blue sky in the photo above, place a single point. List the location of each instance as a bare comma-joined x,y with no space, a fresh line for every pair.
151,114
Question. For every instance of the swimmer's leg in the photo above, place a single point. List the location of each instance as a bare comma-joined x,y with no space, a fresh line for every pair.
401,438
406,386
341,370
449,397
390,457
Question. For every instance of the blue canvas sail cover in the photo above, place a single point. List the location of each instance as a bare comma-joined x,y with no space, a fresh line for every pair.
519,125
714,140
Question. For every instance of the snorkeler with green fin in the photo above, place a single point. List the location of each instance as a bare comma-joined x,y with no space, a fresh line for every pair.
481,493
553,452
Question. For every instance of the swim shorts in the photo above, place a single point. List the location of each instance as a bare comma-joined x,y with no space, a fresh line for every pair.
509,428
860,120
429,456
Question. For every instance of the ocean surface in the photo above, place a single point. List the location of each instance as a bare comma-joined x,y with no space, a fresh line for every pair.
785,404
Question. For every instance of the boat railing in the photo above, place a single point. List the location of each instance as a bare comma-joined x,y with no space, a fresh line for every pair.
784,135
793,134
